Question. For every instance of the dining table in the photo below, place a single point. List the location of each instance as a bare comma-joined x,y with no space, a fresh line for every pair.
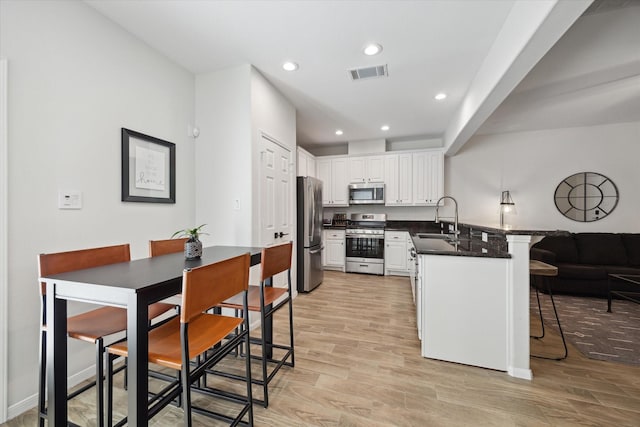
131,285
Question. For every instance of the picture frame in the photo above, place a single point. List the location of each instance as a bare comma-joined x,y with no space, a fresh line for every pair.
148,168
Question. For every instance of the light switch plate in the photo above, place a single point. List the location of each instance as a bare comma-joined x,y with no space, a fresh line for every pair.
69,199
485,237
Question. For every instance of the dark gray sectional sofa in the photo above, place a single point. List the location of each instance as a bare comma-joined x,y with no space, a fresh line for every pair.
585,260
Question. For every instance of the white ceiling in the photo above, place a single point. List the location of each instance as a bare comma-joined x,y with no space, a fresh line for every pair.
429,46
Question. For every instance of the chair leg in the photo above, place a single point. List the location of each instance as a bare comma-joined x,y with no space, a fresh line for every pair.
100,381
109,381
564,343
555,311
247,340
186,394
42,410
293,361
265,379
539,337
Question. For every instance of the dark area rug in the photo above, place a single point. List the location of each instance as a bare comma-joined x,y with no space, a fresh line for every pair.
597,334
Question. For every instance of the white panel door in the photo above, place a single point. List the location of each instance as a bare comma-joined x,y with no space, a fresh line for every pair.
276,202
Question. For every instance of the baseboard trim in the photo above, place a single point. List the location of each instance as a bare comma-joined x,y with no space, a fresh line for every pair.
525,374
32,401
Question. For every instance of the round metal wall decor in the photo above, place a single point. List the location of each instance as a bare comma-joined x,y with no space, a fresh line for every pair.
586,196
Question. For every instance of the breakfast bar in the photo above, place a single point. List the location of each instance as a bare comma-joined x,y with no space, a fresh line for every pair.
473,296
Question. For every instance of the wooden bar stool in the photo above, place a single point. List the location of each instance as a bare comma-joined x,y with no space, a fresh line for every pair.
176,343
539,272
275,260
92,326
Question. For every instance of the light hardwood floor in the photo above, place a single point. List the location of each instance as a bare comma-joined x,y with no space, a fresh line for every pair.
358,364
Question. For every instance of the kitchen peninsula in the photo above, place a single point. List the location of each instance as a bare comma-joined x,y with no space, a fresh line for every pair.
472,295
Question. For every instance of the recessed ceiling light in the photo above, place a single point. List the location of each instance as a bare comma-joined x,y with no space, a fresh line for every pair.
372,49
339,132
441,96
385,128
290,66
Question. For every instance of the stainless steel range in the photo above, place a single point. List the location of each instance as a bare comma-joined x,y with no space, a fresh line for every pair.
365,243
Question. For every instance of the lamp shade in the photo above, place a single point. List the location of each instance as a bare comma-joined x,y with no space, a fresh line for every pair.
507,206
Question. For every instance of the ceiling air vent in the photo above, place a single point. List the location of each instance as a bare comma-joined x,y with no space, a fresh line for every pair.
368,72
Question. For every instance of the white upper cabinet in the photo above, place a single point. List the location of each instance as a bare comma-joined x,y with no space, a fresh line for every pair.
306,163
333,173
398,179
366,169
428,177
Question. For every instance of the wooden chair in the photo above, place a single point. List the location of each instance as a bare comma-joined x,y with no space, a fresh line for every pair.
168,246
176,343
275,260
92,326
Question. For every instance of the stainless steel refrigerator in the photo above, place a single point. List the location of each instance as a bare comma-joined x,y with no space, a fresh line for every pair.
309,233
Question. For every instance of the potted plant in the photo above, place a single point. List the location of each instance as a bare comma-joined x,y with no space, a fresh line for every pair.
193,246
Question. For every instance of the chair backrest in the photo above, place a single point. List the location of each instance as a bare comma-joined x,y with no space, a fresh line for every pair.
62,262
169,246
207,286
275,259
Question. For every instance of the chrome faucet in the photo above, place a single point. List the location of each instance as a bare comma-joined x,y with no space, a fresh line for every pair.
455,224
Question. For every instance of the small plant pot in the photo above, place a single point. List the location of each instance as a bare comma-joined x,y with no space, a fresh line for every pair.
192,249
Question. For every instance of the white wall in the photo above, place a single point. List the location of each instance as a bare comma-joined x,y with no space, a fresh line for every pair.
532,164
76,79
223,155
232,107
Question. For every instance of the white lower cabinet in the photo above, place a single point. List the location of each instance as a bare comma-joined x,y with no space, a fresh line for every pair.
333,255
396,253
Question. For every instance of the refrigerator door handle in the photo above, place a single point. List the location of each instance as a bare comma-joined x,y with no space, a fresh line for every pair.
317,250
312,217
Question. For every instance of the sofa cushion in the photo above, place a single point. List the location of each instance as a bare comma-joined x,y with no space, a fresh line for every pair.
581,272
632,245
601,249
563,246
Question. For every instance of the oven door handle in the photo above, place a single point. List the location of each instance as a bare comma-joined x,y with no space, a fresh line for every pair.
365,236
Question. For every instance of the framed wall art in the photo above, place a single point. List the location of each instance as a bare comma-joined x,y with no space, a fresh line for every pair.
148,168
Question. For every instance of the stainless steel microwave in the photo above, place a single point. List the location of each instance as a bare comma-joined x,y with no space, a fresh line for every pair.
366,194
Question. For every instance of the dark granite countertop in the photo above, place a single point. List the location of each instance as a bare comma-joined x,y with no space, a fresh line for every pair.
464,247
517,230
413,226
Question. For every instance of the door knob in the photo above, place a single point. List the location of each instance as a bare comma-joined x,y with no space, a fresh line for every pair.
276,235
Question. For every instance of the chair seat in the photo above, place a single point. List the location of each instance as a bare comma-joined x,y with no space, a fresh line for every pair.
164,341
271,295
105,321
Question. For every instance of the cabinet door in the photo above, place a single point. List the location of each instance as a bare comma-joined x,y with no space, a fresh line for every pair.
302,164
339,183
391,182
427,178
435,171
374,169
395,256
405,179
311,166
324,174
357,170
335,253
398,179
